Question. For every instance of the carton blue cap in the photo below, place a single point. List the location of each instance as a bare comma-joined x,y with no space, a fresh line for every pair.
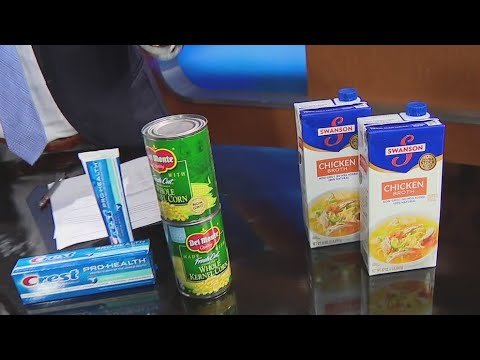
416,108
347,94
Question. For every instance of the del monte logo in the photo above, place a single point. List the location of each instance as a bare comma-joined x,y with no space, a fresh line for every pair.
203,242
161,160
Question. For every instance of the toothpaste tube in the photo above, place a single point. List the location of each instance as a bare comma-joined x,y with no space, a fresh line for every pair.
81,272
103,168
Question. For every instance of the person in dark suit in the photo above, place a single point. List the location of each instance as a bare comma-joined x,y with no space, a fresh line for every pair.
105,93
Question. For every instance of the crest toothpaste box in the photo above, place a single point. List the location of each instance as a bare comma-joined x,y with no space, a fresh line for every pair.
400,191
86,271
328,161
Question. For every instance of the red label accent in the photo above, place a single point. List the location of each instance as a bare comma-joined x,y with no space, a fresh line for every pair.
37,259
335,166
203,242
406,139
404,188
363,163
342,307
31,280
161,160
335,122
300,143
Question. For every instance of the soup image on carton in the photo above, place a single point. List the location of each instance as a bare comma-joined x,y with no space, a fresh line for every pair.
328,162
335,213
400,192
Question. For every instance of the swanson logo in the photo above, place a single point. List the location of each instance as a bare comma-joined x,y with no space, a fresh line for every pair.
337,130
405,148
203,242
161,160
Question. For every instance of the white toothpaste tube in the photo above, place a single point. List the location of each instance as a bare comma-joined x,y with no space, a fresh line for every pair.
103,169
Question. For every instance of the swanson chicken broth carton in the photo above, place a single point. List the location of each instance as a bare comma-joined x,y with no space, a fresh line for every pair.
400,191
328,161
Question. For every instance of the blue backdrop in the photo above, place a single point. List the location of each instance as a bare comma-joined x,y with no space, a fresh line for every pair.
276,68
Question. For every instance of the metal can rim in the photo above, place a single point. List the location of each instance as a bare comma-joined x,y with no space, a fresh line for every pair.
149,136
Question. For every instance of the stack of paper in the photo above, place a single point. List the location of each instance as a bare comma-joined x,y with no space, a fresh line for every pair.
77,216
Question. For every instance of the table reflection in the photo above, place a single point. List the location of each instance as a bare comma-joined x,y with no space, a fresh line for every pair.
335,278
340,285
402,293
140,302
143,301
224,305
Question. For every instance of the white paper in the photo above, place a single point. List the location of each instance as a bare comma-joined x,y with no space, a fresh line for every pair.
77,216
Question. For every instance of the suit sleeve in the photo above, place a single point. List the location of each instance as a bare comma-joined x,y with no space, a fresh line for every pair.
106,92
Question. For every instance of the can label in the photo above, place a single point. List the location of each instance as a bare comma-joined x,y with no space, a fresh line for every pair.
200,257
184,176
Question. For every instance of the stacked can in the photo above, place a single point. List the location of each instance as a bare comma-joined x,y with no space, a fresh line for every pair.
181,162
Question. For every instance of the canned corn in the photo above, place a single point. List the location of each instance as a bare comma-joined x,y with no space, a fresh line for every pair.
181,162
200,257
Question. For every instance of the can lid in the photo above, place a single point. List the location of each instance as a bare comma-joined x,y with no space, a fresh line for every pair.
416,108
174,126
347,94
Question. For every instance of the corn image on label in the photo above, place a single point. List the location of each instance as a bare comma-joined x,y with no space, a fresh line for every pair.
200,257
182,169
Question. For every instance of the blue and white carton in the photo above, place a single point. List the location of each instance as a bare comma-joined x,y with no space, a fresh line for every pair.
328,164
86,271
401,162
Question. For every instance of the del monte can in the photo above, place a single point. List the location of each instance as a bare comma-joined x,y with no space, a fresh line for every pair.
180,156
200,257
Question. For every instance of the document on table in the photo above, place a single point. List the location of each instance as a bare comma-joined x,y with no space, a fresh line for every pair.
77,216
